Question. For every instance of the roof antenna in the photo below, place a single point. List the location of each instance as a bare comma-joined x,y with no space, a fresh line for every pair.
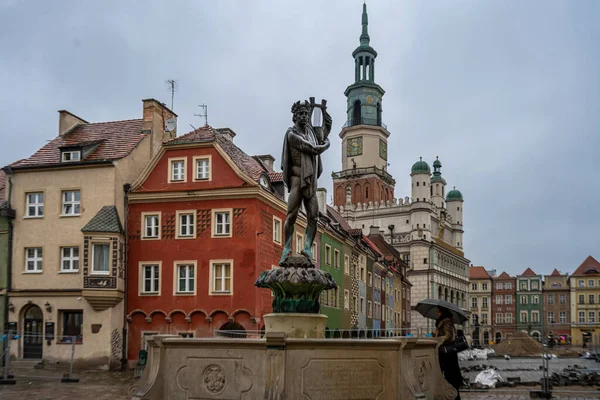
172,87
204,113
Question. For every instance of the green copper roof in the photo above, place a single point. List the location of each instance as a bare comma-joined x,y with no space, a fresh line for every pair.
364,37
421,167
437,173
106,220
454,195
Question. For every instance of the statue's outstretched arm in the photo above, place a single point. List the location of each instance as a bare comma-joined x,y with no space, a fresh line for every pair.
297,142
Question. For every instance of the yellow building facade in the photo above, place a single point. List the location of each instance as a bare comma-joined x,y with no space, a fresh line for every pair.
68,255
585,302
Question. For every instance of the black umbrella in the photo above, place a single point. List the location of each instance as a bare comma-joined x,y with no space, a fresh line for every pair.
427,308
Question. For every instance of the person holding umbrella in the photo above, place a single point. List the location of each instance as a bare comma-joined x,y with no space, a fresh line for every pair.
446,315
444,328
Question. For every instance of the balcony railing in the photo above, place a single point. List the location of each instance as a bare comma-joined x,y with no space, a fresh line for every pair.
365,121
363,171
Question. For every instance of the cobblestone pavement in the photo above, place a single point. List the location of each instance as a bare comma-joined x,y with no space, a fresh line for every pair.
46,385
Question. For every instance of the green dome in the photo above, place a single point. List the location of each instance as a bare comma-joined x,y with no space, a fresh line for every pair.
421,167
454,195
437,163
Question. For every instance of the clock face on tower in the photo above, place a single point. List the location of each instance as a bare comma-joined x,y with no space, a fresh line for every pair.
383,149
354,146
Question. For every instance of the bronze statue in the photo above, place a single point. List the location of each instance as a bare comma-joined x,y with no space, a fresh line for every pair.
297,285
301,165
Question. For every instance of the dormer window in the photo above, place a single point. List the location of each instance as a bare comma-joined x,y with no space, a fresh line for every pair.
71,156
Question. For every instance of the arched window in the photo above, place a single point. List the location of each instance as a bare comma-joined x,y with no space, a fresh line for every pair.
357,194
357,113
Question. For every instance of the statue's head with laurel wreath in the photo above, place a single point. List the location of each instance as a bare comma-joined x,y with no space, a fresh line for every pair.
301,112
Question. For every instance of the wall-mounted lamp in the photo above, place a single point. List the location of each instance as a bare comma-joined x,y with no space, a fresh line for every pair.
48,306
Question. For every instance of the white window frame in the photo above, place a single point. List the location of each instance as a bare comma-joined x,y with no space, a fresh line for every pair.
484,302
336,259
562,316
202,179
484,286
524,313
508,286
180,178
299,242
474,287
499,286
346,299
550,299
499,318
93,247
508,299
369,309
499,299
370,279
327,255
75,204
591,317
562,299
277,234
37,260
508,318
215,224
537,315
180,215
145,215
63,155
346,264
142,278
535,300
71,259
185,263
362,305
212,277
37,205
550,316
581,315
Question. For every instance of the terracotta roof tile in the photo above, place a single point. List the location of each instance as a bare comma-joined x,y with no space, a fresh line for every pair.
555,273
114,140
206,134
338,218
478,273
587,267
200,135
504,275
528,272
276,176
372,245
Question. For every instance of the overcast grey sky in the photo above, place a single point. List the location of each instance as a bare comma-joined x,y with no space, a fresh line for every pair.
506,93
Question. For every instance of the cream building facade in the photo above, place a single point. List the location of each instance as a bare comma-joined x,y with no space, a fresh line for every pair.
68,255
426,227
480,302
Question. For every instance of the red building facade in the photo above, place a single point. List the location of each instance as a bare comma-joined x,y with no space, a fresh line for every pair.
504,306
204,220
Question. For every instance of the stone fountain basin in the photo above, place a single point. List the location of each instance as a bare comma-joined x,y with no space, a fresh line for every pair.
277,367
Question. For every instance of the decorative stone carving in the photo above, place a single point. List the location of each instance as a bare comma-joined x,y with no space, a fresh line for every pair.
214,379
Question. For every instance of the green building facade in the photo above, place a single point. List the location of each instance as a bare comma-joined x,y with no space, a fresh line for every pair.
529,303
331,260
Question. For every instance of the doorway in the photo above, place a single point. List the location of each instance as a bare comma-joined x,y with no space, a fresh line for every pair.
33,340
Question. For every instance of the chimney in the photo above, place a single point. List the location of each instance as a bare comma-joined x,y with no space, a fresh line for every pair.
373,230
155,118
228,134
268,160
322,198
67,121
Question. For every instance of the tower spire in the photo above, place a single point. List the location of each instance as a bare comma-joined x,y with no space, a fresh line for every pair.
364,37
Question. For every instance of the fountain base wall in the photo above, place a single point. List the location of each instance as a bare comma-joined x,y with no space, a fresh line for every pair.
277,367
